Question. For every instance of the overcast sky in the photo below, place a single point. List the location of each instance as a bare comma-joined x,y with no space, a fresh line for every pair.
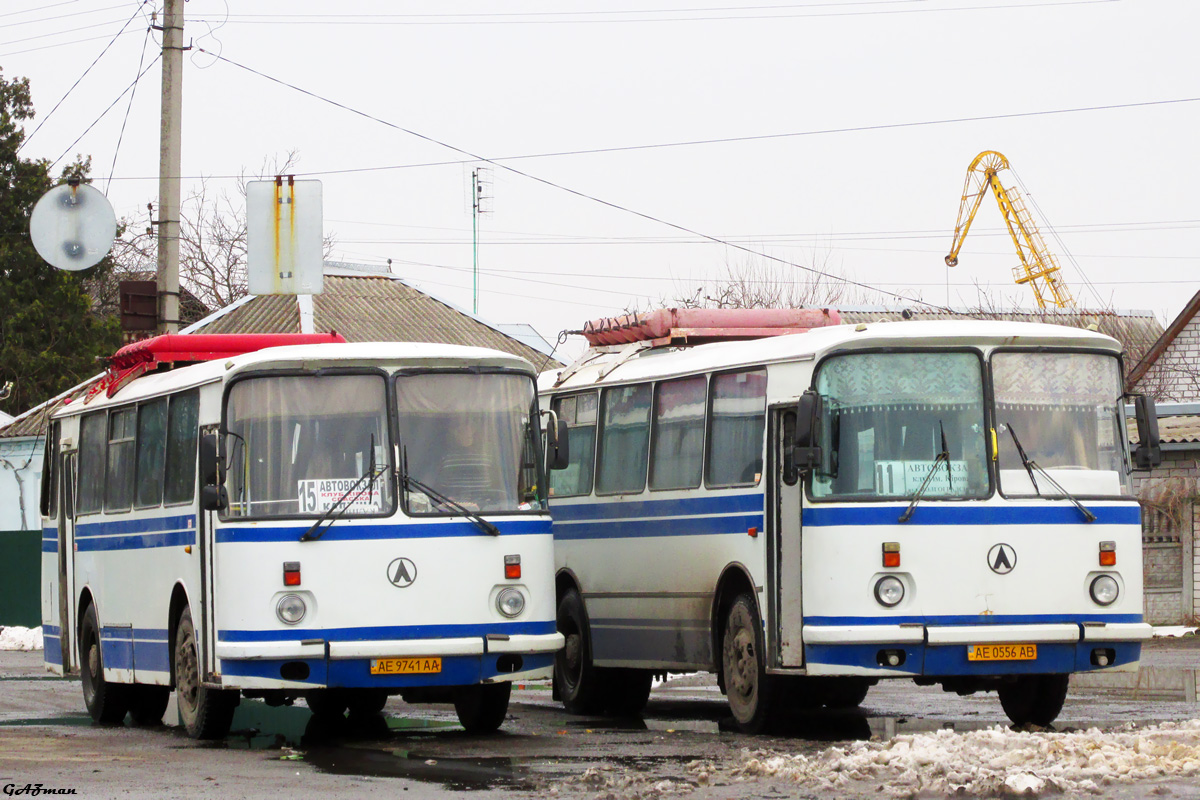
847,129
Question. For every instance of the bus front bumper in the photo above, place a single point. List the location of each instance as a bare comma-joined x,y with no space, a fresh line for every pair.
460,662
942,650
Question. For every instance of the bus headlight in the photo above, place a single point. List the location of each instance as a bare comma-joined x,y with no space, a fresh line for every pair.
510,602
889,590
1104,590
291,609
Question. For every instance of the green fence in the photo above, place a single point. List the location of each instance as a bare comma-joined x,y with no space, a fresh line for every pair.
20,578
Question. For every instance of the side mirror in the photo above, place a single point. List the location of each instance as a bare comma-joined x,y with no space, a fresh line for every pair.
1148,453
809,412
213,496
557,445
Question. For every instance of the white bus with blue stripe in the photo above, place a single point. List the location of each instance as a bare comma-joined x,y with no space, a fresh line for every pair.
284,519
806,514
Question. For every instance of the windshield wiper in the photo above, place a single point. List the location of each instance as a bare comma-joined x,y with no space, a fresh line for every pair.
942,457
338,509
1031,465
407,480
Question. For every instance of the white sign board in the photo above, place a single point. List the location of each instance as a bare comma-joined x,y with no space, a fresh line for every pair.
284,242
903,478
321,495
73,227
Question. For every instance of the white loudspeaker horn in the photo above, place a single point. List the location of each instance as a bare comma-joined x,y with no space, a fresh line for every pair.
73,226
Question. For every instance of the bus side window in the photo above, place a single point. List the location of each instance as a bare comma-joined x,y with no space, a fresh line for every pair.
92,442
677,452
151,452
735,443
579,412
50,468
118,483
183,421
624,439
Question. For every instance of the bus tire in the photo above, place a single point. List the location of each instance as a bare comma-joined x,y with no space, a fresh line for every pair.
578,680
206,713
1034,699
626,691
148,703
483,707
106,702
366,702
748,687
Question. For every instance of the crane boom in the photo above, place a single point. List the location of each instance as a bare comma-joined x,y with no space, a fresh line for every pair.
1038,267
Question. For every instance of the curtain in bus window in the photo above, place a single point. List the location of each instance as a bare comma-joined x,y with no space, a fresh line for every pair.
678,457
624,440
93,438
182,434
468,436
1064,409
118,483
298,444
579,412
151,452
739,403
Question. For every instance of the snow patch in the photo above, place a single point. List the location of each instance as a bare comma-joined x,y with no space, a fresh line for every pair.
995,761
1173,631
15,638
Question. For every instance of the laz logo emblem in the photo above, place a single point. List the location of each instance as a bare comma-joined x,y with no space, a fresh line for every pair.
402,572
1002,558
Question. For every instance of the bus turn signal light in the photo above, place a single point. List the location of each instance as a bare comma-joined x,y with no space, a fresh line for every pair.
1108,554
512,567
291,573
891,555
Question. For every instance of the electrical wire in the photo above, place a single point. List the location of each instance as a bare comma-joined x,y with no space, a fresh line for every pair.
39,8
60,16
128,108
81,77
105,111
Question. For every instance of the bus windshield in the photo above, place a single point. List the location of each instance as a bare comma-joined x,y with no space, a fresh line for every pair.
1064,409
471,438
893,418
295,445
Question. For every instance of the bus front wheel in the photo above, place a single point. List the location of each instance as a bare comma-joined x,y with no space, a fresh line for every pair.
482,708
747,685
577,679
106,702
206,713
1034,699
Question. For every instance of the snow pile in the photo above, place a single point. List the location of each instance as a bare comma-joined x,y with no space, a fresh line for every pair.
994,761
606,784
20,638
1175,631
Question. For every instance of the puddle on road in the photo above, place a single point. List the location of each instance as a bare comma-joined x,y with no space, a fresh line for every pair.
451,773
63,720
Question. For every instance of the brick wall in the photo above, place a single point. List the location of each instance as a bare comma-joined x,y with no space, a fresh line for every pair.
1171,563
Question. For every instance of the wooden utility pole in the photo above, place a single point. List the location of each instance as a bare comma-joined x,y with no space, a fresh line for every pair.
169,167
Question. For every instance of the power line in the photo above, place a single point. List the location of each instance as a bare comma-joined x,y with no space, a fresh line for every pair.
73,14
38,8
105,111
128,108
560,187
81,77
569,18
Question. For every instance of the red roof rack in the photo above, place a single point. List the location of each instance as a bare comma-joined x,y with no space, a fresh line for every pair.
137,358
700,325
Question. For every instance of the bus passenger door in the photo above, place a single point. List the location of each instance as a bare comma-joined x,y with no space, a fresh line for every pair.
204,616
66,559
785,595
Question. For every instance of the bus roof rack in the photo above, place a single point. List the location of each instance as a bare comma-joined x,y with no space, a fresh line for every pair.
689,326
140,357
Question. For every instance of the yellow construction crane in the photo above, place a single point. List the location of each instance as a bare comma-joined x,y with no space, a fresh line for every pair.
1038,267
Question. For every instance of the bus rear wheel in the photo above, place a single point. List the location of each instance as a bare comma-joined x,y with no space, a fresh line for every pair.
577,680
747,686
482,708
206,713
106,702
1034,699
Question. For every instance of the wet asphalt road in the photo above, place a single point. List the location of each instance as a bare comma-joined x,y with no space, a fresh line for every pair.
419,751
